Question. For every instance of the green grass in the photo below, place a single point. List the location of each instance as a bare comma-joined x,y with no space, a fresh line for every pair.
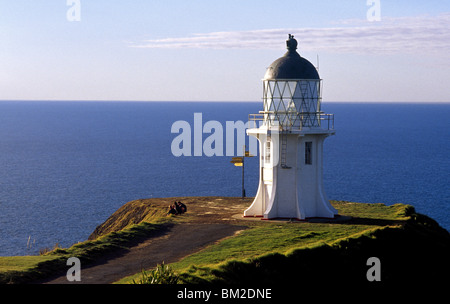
262,240
267,250
129,225
265,238
129,215
21,263
283,237
411,247
21,269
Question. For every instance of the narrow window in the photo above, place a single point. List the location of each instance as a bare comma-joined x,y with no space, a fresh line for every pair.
267,154
308,155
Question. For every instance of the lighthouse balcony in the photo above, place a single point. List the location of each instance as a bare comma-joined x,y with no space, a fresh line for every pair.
292,122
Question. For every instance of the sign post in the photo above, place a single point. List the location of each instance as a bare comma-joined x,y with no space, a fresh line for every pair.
239,162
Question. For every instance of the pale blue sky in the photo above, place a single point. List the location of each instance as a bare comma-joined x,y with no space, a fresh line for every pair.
218,50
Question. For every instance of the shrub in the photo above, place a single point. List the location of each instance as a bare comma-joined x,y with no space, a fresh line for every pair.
162,274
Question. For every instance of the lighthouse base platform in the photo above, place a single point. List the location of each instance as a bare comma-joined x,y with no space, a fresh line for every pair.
336,218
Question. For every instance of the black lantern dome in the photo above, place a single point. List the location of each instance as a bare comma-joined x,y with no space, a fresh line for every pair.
291,65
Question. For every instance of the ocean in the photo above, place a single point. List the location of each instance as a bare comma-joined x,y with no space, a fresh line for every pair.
66,166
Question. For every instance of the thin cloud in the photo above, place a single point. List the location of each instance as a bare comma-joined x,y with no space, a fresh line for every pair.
419,34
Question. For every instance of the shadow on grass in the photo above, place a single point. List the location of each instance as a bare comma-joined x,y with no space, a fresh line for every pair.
372,222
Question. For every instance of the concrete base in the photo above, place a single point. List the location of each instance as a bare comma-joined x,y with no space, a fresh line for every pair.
336,219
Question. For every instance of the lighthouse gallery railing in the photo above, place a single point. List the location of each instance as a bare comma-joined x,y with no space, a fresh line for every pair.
303,120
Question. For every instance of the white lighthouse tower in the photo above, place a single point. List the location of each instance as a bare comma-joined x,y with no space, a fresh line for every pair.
291,130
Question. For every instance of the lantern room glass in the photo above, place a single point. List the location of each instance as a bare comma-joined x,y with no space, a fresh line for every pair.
293,104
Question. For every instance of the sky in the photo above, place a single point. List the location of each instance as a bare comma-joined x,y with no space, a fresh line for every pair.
207,50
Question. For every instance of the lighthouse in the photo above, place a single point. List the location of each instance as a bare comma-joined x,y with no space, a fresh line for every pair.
291,130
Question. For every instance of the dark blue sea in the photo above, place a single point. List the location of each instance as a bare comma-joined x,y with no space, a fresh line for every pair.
66,166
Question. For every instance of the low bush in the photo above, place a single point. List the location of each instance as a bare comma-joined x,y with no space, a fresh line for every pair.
162,274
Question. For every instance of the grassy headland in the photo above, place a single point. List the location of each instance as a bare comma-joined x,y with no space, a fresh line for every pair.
409,245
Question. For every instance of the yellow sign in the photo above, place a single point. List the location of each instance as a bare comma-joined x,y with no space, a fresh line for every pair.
237,161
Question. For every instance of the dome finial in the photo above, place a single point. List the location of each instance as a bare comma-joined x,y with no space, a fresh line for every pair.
291,43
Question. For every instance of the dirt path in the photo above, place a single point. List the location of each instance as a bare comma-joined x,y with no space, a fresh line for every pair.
181,240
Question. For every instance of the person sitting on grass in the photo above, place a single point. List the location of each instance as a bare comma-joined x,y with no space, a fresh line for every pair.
182,207
178,207
172,210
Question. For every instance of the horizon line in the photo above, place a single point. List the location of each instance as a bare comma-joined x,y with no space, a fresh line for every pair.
205,101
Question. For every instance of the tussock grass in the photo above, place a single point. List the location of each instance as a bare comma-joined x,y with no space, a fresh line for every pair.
162,274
